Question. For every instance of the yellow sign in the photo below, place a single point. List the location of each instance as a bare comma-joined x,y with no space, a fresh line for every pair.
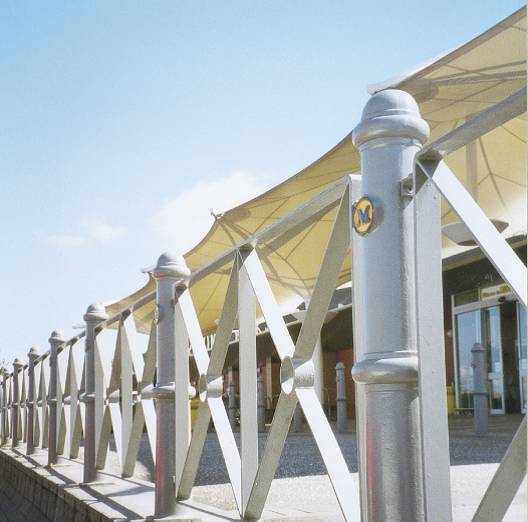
363,216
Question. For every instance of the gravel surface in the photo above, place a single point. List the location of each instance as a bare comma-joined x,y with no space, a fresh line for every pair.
301,456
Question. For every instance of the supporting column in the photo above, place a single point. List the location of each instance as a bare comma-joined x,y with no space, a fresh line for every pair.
318,362
269,383
94,315
480,392
15,412
389,135
231,399
341,398
261,404
56,340
33,355
168,273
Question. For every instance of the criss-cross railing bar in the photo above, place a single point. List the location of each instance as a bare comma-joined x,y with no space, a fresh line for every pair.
429,164
496,248
211,404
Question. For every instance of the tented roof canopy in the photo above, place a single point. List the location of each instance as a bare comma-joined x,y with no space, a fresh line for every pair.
449,90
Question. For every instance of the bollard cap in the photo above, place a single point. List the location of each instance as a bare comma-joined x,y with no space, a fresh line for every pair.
390,114
95,313
172,265
33,352
56,337
340,366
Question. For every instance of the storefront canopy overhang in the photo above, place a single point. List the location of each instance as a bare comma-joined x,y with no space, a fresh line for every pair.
449,90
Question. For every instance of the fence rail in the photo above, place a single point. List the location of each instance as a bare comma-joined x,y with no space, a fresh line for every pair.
113,382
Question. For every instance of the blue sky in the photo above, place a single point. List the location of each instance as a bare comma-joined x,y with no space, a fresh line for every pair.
119,118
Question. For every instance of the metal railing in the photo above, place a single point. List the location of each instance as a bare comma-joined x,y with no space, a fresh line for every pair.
88,388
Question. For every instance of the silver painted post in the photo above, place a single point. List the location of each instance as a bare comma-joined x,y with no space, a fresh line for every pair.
480,393
5,418
261,404
231,399
341,398
56,341
169,271
15,411
389,135
31,402
297,420
94,315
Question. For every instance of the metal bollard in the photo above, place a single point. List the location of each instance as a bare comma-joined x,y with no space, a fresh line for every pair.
341,398
56,340
169,272
389,135
94,315
33,355
261,405
15,411
5,417
480,392
231,399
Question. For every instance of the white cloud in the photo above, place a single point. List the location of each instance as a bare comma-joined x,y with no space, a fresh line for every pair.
66,241
100,231
186,218
91,230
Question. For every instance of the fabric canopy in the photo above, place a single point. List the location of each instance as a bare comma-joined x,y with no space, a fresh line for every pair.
449,90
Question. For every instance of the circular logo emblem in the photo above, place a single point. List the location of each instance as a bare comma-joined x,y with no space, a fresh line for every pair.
363,216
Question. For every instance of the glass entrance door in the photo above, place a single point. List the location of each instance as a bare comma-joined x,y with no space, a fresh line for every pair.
479,326
468,331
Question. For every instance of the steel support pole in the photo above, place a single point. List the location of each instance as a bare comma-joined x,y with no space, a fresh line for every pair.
31,402
56,340
480,392
317,359
389,135
15,407
261,404
94,315
168,273
341,398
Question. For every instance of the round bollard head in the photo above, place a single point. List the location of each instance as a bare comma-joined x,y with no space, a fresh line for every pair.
96,312
172,265
33,352
391,114
56,337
